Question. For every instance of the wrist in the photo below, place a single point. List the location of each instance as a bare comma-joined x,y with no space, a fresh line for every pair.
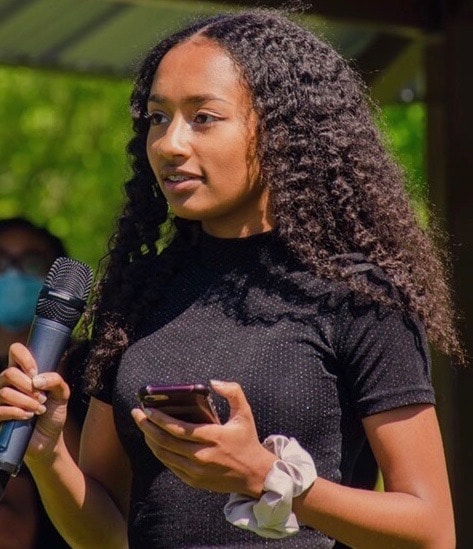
292,472
44,458
255,484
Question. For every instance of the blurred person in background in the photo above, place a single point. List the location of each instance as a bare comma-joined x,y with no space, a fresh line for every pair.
27,252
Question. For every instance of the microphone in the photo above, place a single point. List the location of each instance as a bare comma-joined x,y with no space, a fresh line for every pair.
60,304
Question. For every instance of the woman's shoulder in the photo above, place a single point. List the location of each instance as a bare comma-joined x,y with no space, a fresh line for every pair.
355,282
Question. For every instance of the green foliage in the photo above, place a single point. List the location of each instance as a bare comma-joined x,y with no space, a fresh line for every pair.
405,129
405,124
63,161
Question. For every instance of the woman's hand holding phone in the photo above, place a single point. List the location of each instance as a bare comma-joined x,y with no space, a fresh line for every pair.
222,458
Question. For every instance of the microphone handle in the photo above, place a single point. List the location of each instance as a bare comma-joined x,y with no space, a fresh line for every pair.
47,342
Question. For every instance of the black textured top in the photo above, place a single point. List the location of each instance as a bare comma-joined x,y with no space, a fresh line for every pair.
311,358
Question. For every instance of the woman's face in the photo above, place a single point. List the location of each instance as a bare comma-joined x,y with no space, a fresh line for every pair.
201,141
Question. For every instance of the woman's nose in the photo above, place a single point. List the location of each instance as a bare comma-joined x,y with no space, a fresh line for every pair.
175,140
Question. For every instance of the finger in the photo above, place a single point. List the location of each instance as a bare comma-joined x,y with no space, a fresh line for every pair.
179,465
163,444
189,470
12,413
173,440
176,427
140,417
236,398
12,397
20,356
54,384
14,377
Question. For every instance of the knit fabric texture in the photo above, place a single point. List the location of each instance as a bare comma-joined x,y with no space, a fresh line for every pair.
313,360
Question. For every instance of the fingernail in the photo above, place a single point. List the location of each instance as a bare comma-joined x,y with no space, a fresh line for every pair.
39,382
42,398
216,383
40,410
28,415
134,412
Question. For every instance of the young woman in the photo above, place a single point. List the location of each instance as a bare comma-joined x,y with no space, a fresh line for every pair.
267,241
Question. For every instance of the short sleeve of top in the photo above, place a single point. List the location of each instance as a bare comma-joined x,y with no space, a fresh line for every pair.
384,357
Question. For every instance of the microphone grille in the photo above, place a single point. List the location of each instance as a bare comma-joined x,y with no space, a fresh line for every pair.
65,291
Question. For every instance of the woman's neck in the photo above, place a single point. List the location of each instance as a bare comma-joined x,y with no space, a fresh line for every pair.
237,226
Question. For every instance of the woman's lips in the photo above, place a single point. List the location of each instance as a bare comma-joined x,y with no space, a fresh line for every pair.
181,183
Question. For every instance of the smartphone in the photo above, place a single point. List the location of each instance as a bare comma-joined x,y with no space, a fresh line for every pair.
190,402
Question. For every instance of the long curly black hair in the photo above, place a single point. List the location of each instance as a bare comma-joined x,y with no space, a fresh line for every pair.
335,190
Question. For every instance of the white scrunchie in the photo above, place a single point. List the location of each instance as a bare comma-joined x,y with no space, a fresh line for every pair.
271,516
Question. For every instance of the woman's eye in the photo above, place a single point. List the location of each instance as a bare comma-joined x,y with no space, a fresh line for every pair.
156,118
204,118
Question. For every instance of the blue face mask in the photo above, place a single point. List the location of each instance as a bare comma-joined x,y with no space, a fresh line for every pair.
18,297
